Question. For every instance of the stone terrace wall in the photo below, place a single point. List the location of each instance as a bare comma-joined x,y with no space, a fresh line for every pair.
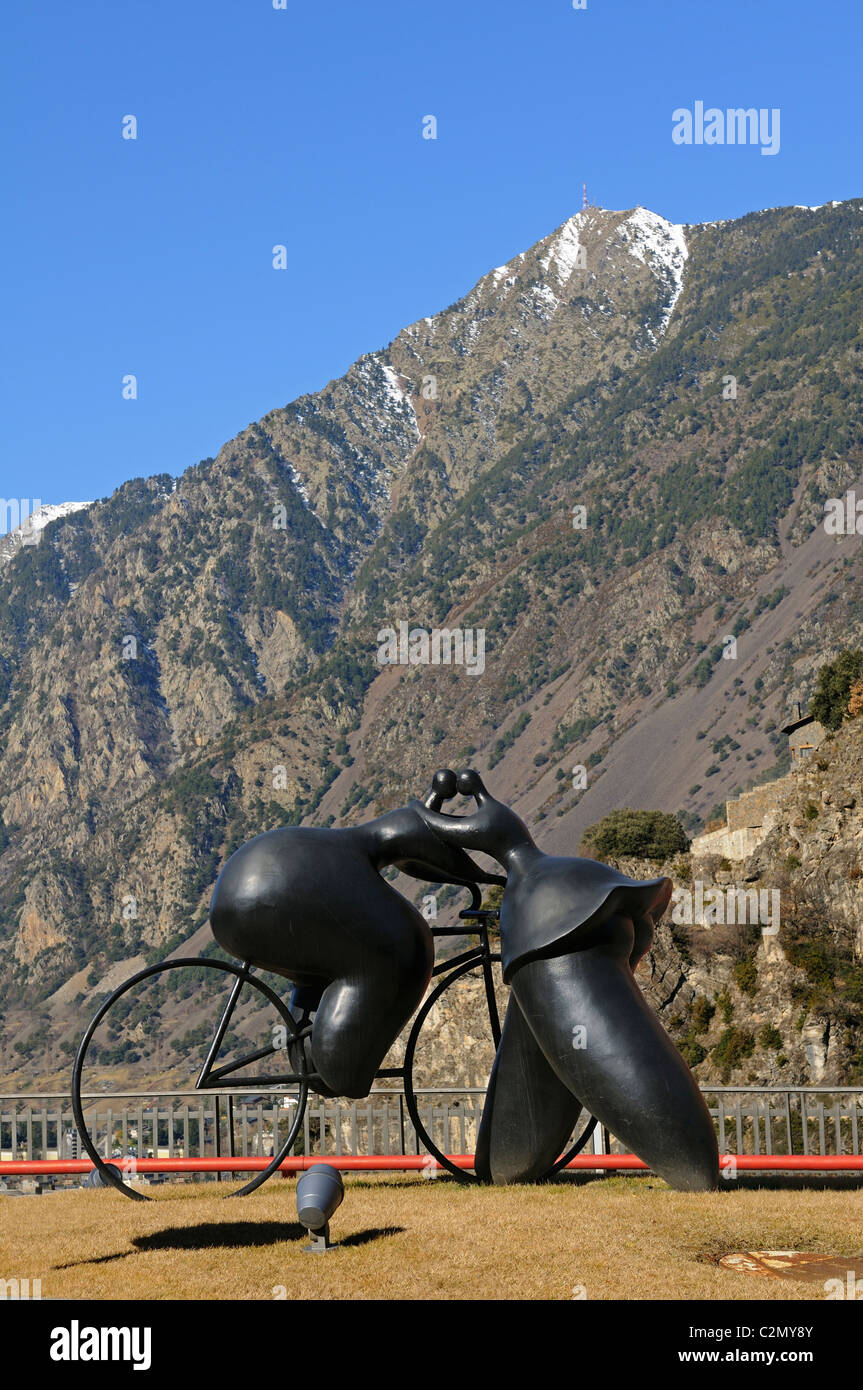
750,818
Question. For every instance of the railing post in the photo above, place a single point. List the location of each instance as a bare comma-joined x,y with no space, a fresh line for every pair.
600,1146
217,1135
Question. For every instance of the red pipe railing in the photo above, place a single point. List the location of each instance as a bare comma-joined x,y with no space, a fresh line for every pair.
34,1167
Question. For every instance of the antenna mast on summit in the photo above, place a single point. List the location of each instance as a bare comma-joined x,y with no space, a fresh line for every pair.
584,203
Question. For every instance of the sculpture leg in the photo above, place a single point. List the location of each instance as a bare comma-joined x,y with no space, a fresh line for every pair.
357,1022
606,1044
529,1113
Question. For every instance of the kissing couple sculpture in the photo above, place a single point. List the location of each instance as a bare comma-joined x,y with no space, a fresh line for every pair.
312,905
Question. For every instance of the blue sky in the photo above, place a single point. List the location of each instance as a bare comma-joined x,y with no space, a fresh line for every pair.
303,127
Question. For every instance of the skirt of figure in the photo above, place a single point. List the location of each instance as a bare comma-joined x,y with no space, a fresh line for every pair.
594,1031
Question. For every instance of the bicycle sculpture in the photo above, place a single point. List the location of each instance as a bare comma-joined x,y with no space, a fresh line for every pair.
311,905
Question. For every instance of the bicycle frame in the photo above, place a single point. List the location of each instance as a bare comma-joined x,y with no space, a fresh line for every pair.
212,1077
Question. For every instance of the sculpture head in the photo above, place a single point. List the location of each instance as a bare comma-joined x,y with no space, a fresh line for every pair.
411,841
492,827
444,786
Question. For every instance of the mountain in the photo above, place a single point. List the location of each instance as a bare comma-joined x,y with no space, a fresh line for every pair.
191,661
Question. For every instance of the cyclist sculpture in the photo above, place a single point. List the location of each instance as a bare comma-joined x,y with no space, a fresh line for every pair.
310,904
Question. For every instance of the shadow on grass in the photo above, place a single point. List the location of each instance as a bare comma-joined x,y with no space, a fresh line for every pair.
227,1235
745,1181
214,1234
800,1182
375,1233
98,1260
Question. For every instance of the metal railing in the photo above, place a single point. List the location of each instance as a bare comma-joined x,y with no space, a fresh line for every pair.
809,1120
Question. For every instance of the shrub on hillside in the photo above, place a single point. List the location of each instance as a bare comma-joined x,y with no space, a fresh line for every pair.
830,703
641,834
735,1045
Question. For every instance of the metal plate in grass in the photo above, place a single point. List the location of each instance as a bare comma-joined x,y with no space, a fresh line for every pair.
794,1264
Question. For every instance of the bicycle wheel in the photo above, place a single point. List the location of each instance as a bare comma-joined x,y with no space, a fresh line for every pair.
468,986
226,1030
458,1003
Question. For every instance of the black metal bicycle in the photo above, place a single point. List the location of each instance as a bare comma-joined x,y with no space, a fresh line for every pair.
225,1060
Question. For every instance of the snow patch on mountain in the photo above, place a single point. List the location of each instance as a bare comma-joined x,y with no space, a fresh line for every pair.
563,251
393,385
545,301
299,486
29,532
386,410
661,246
382,387
503,275
39,519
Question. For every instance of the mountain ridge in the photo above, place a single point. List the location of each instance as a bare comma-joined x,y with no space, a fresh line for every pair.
251,589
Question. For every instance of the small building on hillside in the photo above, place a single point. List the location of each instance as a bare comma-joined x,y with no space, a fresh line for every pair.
804,735
751,816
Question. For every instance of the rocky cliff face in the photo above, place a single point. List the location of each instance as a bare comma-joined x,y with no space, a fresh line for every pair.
776,998
611,457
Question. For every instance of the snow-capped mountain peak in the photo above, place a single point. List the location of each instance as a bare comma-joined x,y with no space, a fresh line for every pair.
660,245
29,531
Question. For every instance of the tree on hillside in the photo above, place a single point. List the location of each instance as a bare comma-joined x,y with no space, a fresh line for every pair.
833,691
642,834
855,701
492,897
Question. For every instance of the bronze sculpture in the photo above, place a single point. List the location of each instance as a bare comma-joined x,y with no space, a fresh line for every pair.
312,905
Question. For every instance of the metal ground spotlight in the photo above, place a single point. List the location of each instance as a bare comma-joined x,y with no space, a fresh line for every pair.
320,1192
95,1178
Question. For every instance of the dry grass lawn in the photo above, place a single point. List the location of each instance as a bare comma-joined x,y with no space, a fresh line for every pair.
410,1238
